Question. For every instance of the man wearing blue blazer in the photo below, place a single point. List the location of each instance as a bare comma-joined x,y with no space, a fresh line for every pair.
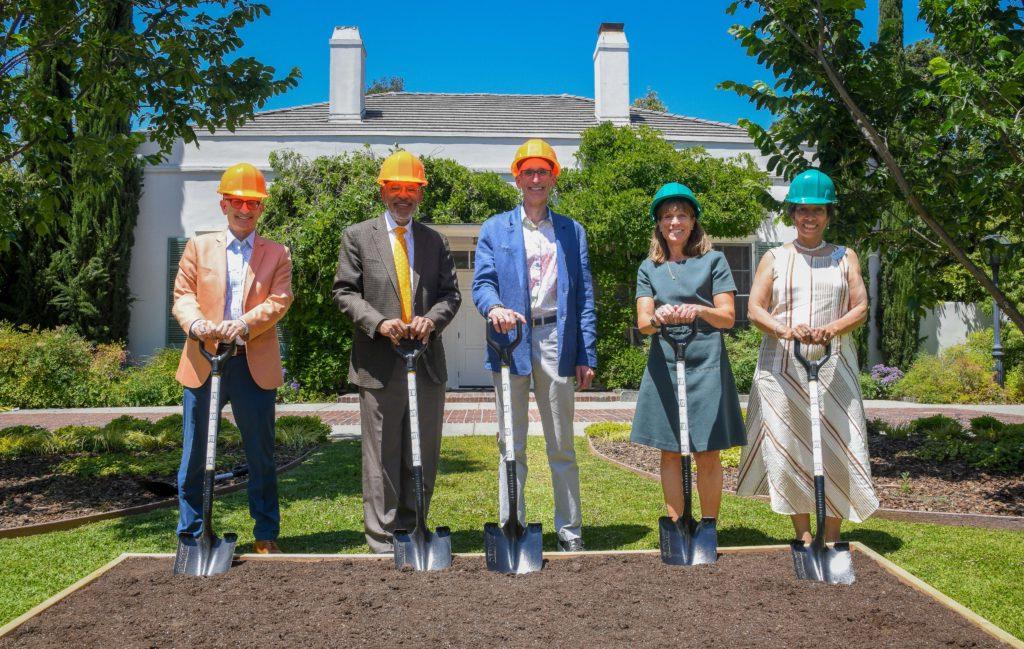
532,267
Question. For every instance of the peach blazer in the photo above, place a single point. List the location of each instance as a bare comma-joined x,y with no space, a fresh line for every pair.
199,294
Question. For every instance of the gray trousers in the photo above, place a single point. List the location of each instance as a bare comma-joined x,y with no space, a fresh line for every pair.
389,497
556,401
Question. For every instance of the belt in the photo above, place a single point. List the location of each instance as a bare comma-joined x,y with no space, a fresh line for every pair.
239,349
540,322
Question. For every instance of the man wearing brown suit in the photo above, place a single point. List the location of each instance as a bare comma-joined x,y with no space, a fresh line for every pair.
396,279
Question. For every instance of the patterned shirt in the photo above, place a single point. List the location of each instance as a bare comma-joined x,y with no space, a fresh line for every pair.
239,252
541,264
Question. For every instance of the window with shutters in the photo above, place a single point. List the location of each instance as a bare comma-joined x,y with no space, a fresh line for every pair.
740,257
174,337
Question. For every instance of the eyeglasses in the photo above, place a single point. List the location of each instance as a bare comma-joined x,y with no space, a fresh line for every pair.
540,173
237,203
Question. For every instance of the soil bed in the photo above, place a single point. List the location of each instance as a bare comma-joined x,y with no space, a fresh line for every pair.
745,600
33,490
901,479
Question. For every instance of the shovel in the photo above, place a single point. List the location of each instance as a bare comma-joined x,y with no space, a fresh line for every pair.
511,548
419,549
170,489
208,555
684,541
818,562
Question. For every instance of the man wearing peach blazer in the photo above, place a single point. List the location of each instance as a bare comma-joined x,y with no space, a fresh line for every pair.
233,285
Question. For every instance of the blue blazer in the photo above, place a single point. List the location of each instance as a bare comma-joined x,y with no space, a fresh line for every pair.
500,278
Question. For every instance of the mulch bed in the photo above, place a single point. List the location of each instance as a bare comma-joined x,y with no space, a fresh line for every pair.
33,492
745,600
901,480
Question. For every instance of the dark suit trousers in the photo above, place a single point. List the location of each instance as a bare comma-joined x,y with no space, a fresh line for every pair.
253,408
389,497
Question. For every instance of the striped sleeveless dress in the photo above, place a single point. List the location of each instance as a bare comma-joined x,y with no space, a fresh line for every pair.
777,460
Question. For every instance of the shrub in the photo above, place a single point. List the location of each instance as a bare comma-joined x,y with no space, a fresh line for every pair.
623,365
1015,385
152,384
989,444
73,439
42,369
24,441
169,430
610,431
294,431
743,346
957,375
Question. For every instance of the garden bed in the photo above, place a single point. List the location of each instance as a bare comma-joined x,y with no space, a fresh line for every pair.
902,480
748,598
38,489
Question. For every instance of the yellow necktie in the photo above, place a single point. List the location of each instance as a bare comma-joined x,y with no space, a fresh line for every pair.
401,254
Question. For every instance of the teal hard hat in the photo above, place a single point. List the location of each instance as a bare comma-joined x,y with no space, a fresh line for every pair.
674,190
811,187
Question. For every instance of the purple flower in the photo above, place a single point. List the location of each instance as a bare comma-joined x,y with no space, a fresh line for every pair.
294,385
886,375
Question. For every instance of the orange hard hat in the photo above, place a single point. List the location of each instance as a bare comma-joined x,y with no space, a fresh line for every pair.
536,149
402,167
243,180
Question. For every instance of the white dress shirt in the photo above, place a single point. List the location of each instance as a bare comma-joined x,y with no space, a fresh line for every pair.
392,237
239,252
541,264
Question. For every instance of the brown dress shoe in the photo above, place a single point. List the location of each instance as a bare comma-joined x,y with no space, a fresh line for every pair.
266,547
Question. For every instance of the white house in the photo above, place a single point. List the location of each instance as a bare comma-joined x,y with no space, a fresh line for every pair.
480,131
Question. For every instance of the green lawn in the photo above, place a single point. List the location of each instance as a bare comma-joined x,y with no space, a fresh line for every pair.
322,512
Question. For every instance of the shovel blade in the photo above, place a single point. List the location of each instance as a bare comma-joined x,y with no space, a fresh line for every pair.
204,556
818,562
687,542
511,551
421,550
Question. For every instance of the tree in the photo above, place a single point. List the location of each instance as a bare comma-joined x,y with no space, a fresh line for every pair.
620,169
957,163
385,84
651,101
80,75
890,23
181,80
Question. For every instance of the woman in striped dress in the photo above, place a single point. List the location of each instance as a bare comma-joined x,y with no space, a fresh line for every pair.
811,291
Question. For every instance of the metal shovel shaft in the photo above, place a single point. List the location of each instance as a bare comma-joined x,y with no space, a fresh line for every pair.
818,562
684,541
208,555
419,549
515,547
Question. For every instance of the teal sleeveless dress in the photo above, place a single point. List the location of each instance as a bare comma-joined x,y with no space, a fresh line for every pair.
713,406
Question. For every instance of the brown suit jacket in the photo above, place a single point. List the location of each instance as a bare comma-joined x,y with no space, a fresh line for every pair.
366,290
199,294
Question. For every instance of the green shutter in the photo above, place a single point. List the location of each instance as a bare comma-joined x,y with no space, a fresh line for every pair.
761,247
175,249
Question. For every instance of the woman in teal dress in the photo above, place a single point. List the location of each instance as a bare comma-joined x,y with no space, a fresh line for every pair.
685,282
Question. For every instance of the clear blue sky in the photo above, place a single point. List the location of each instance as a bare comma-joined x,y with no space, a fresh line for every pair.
682,51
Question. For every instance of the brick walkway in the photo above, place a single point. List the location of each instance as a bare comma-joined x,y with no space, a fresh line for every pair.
459,411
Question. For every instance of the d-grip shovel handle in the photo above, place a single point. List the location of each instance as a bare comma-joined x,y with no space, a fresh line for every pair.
812,367
217,360
679,345
410,349
504,352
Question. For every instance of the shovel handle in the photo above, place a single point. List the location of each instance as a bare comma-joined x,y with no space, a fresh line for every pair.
410,350
679,344
504,352
217,360
812,367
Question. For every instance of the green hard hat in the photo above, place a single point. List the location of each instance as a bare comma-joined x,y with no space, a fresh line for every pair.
811,187
674,190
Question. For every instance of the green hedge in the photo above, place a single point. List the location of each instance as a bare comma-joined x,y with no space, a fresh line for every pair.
128,444
57,368
960,374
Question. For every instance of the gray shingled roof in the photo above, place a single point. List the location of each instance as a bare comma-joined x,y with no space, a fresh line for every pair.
407,112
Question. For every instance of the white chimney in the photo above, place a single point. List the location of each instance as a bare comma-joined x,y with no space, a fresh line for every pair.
611,74
348,75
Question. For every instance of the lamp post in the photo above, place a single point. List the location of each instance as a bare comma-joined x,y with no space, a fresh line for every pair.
996,248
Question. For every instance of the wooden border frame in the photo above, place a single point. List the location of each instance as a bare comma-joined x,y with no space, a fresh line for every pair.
902,575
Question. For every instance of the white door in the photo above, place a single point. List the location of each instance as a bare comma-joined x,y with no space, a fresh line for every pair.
464,342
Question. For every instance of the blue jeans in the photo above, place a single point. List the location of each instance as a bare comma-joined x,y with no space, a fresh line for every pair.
253,408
